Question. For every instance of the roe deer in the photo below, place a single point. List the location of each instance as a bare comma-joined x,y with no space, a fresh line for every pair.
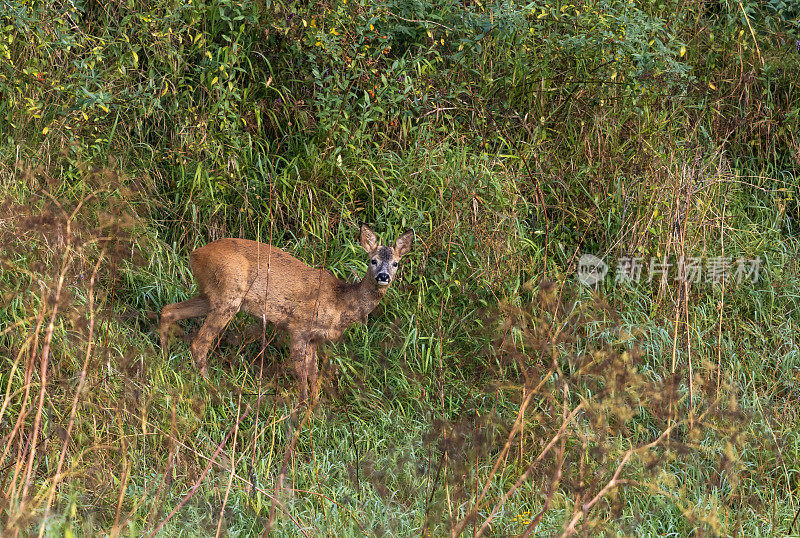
311,305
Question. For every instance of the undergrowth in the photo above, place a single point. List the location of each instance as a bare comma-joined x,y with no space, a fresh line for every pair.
491,393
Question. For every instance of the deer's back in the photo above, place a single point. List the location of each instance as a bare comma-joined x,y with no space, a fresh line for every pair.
266,279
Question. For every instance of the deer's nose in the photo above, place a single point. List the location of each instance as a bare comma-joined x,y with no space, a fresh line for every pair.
383,278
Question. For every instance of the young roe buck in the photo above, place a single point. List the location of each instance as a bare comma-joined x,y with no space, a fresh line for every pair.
311,305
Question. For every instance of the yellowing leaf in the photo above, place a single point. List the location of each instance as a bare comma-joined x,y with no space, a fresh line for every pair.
214,80
711,85
683,51
45,130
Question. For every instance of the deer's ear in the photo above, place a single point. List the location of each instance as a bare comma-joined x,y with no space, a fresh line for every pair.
368,238
404,244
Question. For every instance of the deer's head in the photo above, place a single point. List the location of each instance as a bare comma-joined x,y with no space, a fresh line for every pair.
383,260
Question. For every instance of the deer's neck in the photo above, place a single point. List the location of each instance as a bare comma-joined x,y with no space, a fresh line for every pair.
365,296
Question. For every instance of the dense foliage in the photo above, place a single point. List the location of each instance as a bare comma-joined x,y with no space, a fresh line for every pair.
491,393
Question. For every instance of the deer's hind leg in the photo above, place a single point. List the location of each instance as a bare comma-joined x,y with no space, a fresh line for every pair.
170,314
218,317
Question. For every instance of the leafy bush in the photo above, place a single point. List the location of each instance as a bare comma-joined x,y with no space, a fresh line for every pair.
513,137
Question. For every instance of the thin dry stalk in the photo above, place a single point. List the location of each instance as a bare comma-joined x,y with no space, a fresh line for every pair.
81,383
45,357
287,456
615,481
203,474
555,481
233,462
156,508
23,414
500,458
524,476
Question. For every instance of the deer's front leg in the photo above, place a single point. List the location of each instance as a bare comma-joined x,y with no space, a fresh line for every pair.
302,349
312,369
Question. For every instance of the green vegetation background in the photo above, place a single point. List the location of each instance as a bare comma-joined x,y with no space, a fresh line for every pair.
489,394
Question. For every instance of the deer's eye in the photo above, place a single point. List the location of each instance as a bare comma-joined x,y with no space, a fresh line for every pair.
394,264
374,262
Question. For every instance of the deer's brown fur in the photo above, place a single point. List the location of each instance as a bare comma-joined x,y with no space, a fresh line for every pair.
310,304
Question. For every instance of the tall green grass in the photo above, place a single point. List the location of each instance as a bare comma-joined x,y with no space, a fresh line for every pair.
490,393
